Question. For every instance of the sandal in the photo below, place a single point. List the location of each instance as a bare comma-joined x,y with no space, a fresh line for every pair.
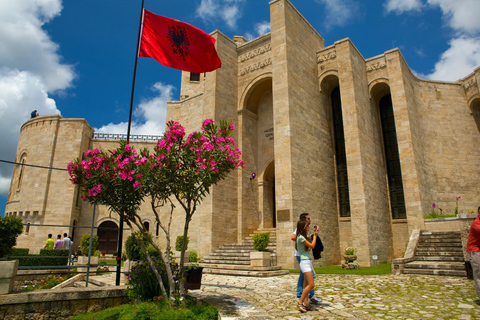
310,308
301,308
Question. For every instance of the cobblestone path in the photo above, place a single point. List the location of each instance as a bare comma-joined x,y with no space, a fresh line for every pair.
351,297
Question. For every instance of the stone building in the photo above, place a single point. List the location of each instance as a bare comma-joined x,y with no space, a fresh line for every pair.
363,145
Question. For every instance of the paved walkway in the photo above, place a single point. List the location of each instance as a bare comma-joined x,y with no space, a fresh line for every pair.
344,297
347,297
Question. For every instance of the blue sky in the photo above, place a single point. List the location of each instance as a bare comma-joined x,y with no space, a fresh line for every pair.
76,58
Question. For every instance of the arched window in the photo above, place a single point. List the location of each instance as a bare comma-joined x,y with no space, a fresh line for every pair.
340,155
20,175
146,225
156,231
394,171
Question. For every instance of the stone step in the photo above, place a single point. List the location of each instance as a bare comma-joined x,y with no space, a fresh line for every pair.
443,245
440,233
437,240
91,283
245,245
437,272
439,249
456,253
439,258
240,251
435,265
238,267
229,257
229,262
246,273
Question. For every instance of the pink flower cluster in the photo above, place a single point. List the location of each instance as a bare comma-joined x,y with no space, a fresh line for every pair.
202,157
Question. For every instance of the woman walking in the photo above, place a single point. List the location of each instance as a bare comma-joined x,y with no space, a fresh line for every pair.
306,266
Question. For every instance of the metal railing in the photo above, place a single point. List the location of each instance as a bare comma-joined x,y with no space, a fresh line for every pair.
119,136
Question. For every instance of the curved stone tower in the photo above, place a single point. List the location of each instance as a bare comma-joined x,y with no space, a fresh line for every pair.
47,142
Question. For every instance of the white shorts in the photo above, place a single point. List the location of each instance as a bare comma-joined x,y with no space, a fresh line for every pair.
306,266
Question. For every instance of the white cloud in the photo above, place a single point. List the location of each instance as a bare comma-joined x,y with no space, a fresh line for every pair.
26,46
262,27
30,69
227,10
461,15
150,114
338,12
400,6
458,61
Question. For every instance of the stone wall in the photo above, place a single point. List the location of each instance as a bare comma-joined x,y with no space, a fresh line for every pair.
59,304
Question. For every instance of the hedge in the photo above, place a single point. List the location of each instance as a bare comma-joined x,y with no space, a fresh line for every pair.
34,260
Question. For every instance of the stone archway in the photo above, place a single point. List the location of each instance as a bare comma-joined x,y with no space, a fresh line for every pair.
257,146
266,187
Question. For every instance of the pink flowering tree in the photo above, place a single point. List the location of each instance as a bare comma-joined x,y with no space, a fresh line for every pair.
180,171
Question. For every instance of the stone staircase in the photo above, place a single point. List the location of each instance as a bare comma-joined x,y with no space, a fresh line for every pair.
234,259
438,253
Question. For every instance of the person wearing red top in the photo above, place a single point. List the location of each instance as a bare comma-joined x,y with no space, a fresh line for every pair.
473,252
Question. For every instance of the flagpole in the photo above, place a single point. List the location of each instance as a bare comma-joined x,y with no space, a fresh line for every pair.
120,228
135,72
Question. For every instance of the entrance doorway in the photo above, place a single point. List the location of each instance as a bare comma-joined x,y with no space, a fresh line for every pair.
107,237
267,190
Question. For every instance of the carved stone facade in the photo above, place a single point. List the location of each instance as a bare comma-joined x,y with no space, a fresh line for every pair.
280,90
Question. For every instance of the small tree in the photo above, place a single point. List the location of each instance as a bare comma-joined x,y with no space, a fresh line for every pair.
180,171
85,244
10,229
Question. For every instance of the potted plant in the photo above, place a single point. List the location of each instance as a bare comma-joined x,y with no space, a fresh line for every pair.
350,254
261,257
194,272
10,229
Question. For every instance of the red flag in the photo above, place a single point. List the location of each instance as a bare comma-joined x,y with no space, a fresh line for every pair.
178,45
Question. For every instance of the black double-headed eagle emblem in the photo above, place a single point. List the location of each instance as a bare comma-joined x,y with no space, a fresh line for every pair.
178,40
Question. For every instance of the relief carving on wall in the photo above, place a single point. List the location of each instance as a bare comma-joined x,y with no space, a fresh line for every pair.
327,56
254,53
469,83
376,66
256,66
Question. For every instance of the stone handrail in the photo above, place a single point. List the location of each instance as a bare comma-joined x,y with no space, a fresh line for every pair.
399,264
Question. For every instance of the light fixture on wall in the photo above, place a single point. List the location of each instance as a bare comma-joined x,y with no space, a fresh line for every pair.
252,176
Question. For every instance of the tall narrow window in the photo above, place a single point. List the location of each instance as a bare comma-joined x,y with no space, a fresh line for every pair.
20,176
394,172
340,154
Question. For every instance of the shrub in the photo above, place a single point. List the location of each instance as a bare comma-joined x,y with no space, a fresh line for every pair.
19,252
179,243
10,229
53,261
261,240
193,258
97,253
85,243
132,249
34,260
142,283
158,309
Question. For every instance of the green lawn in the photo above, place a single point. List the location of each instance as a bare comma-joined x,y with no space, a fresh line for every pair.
109,262
380,269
